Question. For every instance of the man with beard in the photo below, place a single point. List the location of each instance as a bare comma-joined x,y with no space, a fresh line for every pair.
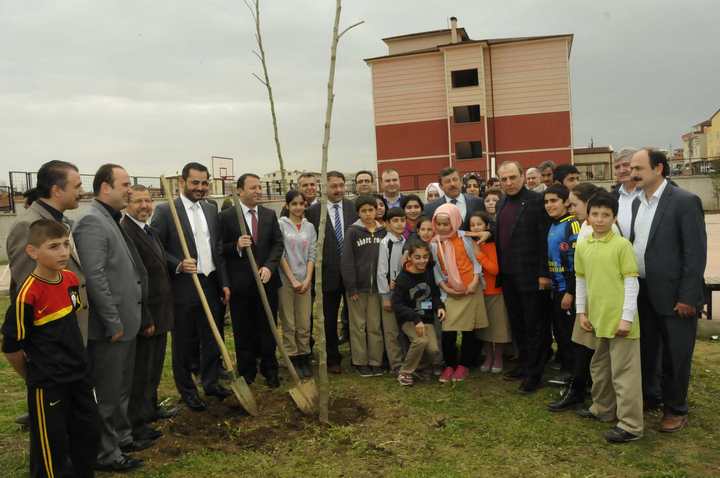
201,229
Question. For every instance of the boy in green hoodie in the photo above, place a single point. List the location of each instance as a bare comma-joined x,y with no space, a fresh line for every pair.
359,267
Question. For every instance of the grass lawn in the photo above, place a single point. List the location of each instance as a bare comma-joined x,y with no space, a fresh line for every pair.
478,428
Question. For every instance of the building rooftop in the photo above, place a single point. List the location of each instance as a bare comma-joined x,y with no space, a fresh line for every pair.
445,31
464,42
593,150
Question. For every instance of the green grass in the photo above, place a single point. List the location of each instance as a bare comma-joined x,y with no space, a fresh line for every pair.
478,428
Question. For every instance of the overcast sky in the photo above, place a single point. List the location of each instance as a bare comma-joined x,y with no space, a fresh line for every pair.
155,84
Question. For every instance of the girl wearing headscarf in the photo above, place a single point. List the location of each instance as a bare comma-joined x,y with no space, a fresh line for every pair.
459,276
433,192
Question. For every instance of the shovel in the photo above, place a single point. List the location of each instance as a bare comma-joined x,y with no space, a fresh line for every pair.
304,394
237,383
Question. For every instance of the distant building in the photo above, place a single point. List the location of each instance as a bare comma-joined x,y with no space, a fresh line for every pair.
594,163
442,99
712,134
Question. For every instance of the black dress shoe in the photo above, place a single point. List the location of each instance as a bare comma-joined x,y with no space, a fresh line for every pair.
518,373
218,391
125,463
136,445
273,381
146,433
163,413
334,368
571,398
194,403
23,420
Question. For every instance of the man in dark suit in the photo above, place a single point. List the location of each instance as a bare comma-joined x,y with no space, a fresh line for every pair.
340,215
201,228
117,290
151,342
670,242
451,184
253,338
521,239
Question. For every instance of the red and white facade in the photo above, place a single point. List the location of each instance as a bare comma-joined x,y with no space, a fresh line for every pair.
441,99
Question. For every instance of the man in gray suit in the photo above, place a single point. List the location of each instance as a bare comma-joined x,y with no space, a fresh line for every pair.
668,234
58,188
116,279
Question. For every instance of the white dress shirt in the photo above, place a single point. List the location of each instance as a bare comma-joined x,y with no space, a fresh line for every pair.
140,224
201,233
461,204
643,222
331,212
624,215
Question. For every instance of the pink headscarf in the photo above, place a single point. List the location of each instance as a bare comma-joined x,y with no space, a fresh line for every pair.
446,251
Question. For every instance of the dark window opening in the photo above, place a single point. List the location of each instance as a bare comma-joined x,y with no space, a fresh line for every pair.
463,78
468,150
466,114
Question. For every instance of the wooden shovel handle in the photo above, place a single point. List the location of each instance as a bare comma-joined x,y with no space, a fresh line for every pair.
196,280
261,291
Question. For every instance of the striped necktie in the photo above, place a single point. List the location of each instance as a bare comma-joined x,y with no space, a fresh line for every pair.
338,229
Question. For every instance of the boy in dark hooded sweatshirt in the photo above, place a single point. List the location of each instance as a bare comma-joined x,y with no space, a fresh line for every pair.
359,269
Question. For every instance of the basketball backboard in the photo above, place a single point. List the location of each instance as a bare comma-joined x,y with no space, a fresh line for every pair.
222,168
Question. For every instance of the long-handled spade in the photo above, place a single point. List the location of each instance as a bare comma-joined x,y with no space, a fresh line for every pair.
237,383
304,394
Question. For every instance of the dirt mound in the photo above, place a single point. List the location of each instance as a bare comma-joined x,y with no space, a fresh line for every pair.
226,427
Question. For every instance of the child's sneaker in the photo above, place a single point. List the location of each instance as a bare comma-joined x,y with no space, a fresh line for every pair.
446,375
437,370
364,371
461,373
377,371
405,379
485,367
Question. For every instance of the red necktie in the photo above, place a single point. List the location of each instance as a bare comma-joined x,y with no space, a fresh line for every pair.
253,220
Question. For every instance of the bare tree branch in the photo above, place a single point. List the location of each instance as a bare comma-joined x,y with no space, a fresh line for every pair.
349,28
259,79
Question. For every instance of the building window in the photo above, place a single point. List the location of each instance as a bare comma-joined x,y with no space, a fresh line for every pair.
463,78
468,150
466,114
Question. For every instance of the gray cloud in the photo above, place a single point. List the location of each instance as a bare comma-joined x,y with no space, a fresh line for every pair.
153,85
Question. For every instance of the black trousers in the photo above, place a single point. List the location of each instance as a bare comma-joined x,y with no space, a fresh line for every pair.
530,326
64,430
331,310
468,349
190,321
149,360
563,321
253,338
581,366
667,343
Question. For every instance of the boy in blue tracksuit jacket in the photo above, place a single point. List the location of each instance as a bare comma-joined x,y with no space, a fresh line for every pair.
561,240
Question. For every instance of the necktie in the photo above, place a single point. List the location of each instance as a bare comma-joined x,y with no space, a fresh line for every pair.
147,230
454,201
253,220
201,243
338,229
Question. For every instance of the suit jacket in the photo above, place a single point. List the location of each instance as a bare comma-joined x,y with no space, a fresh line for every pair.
115,276
472,204
268,250
332,279
528,240
159,293
676,250
22,265
162,223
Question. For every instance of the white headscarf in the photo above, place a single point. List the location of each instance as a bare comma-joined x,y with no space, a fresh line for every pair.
436,187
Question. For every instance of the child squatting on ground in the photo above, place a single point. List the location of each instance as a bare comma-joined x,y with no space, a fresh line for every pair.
415,302
459,275
607,288
42,342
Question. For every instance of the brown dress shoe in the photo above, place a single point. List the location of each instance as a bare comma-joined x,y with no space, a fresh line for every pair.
334,368
673,423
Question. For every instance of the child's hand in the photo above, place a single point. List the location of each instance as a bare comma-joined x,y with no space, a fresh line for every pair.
441,314
392,285
623,329
354,297
387,307
420,329
567,301
585,323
